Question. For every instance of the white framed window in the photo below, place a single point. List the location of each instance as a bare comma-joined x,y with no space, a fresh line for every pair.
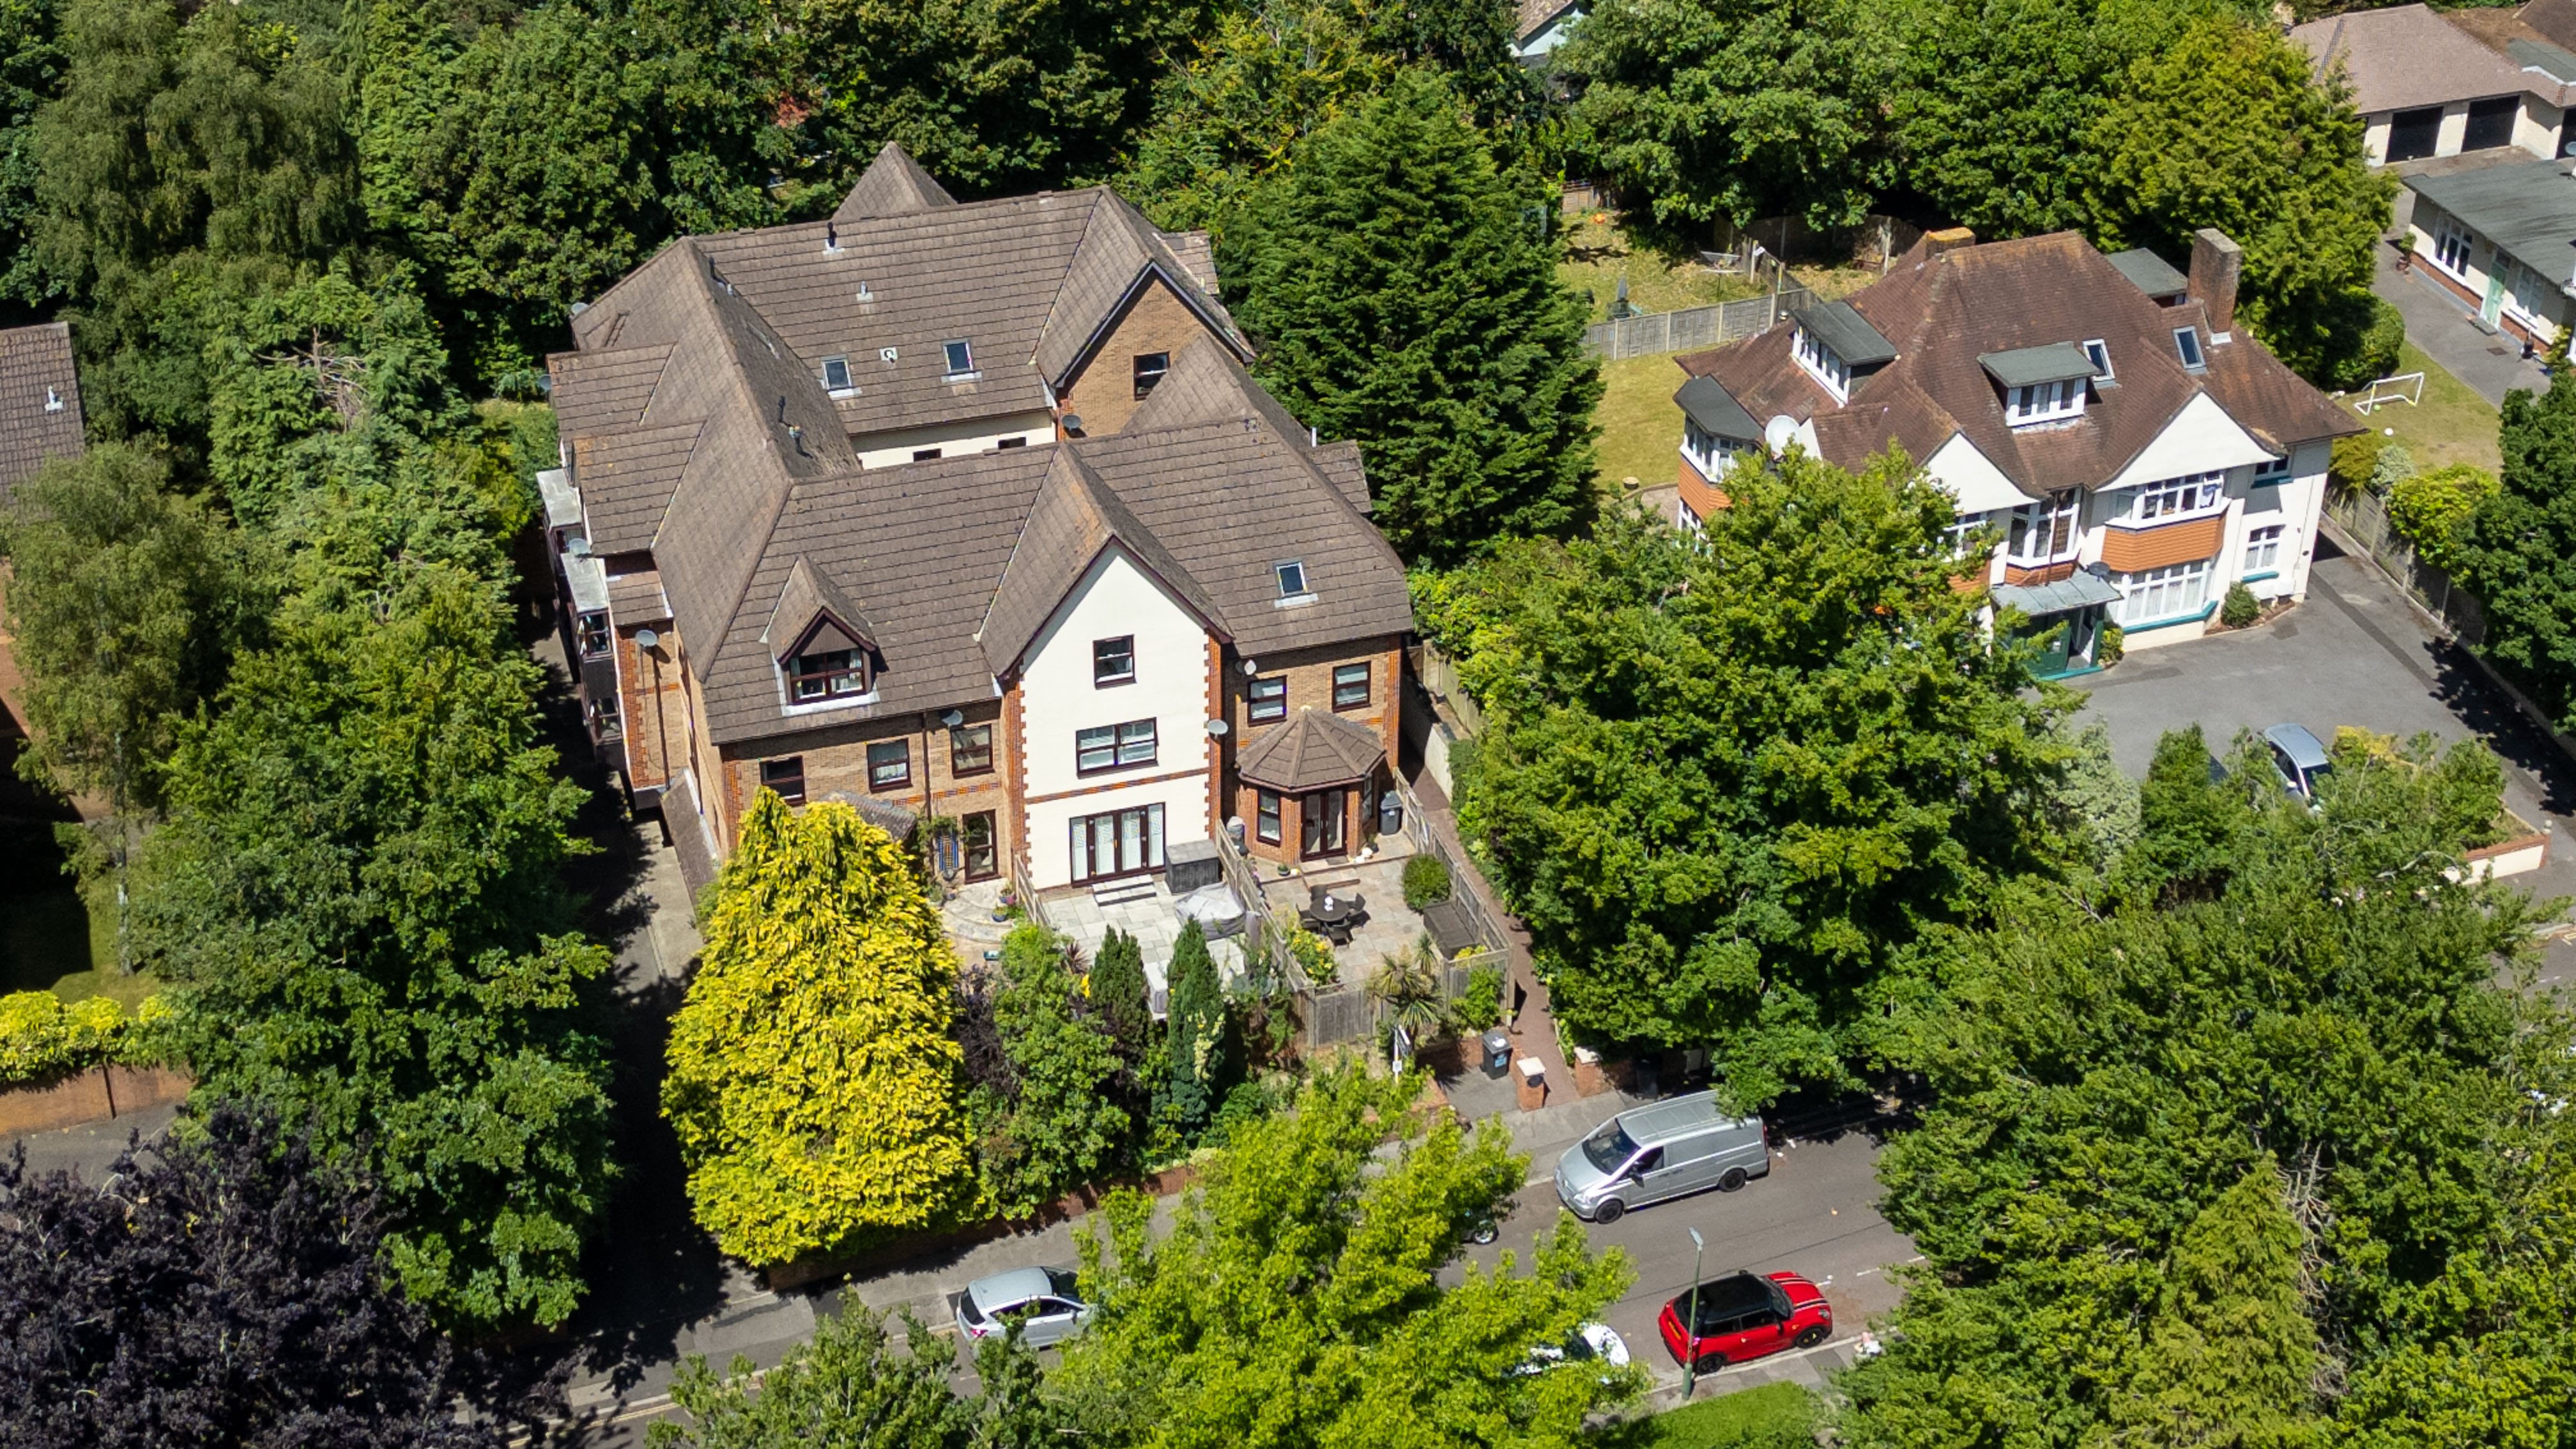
2451,248
1292,579
2271,471
961,361
2526,292
1709,453
1962,532
2176,498
2042,532
836,374
2187,347
1823,364
2151,595
2100,351
2044,402
2263,548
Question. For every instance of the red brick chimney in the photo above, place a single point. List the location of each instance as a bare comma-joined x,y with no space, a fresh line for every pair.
2216,263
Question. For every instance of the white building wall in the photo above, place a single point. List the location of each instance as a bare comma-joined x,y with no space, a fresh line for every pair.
2374,137
2536,129
2455,129
1058,698
981,435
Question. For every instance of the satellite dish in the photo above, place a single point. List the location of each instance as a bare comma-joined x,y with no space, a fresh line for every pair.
1073,422
953,718
1251,667
1216,728
1777,433
646,639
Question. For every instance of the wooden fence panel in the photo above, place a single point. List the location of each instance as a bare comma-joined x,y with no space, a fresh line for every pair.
1692,327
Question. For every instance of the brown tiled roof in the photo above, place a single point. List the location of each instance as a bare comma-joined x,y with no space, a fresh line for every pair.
1340,464
1943,309
627,477
1075,517
812,596
2407,56
893,185
606,389
1315,750
2551,20
1532,14
2515,35
636,598
40,407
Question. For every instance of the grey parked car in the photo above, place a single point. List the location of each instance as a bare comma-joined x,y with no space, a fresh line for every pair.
1042,1299
1659,1151
2300,759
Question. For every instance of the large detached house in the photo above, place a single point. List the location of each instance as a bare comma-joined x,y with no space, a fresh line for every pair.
969,510
2131,450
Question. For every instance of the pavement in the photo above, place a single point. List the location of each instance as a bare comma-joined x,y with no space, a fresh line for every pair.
2440,323
2358,653
93,1147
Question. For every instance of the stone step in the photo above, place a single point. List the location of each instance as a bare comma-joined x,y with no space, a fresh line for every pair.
1123,892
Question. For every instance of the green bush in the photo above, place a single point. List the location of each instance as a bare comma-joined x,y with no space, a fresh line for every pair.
1315,955
2375,354
1426,881
42,1038
2109,645
2241,607
2394,466
1481,1007
2429,509
2355,459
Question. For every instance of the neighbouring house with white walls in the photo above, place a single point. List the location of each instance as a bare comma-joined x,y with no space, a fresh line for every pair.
2123,447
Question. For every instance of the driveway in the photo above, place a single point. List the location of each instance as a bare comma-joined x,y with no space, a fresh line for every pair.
2439,322
2355,653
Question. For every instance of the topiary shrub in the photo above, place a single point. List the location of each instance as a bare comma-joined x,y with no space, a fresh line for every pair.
42,1038
2241,607
1426,881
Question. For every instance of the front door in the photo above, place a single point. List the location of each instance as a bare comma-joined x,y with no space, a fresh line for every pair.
2053,631
2493,307
983,853
1320,819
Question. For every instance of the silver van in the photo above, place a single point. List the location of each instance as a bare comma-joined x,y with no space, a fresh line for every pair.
1661,1150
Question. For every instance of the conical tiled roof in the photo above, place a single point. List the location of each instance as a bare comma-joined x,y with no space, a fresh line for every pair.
1314,751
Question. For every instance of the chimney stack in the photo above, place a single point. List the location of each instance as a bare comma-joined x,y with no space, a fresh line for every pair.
2216,263
1948,239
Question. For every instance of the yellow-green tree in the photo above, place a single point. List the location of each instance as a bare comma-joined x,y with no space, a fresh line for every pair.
812,1080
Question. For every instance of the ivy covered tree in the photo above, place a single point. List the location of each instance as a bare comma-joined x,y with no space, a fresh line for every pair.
1733,783
1197,1041
1118,994
2518,551
2229,127
812,1080
1299,1298
1063,1122
1735,110
1405,295
357,895
221,1287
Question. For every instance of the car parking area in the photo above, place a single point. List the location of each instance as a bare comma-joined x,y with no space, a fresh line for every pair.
2354,653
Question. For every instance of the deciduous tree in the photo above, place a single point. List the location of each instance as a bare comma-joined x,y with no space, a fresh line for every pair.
1405,295
812,1080
31,71
220,1287
1064,1122
2518,551
1298,1298
850,1386
1731,782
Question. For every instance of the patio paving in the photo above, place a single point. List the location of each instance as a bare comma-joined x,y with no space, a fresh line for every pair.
1379,880
1151,920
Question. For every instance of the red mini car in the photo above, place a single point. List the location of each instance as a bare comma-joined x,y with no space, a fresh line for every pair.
1744,1317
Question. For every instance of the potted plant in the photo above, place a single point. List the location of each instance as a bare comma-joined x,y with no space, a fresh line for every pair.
1006,905
2406,252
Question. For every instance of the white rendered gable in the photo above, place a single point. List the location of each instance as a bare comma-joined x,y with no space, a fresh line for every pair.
1972,478
2201,438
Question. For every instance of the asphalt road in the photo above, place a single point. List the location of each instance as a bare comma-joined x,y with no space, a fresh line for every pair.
1814,1214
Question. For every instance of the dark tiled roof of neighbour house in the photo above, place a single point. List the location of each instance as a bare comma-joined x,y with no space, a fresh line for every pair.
1532,15
40,407
2408,56
2526,207
1945,309
636,598
1316,750
2524,39
2552,20
1706,403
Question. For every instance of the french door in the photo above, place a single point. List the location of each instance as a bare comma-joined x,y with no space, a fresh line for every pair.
1120,842
1320,822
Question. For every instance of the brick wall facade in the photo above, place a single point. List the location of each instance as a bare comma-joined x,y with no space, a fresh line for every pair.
648,713
835,762
1310,685
1103,394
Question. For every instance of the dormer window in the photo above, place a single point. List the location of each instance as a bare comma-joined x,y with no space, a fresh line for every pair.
2187,347
836,374
2044,402
961,361
1824,365
828,675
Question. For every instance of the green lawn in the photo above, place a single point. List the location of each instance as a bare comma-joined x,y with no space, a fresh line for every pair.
1641,428
2451,425
1598,254
1774,1416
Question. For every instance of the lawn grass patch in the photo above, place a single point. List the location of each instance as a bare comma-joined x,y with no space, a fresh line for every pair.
1597,254
1641,425
2451,425
1774,1416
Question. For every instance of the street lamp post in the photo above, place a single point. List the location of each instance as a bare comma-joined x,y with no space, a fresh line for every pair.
1690,1329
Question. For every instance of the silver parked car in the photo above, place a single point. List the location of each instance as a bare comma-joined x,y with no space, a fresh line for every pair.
1041,1300
1659,1151
2300,759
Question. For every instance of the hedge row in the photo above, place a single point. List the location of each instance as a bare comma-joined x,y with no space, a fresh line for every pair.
42,1037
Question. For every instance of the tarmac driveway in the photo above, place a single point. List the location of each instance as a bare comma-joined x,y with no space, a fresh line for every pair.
2354,653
